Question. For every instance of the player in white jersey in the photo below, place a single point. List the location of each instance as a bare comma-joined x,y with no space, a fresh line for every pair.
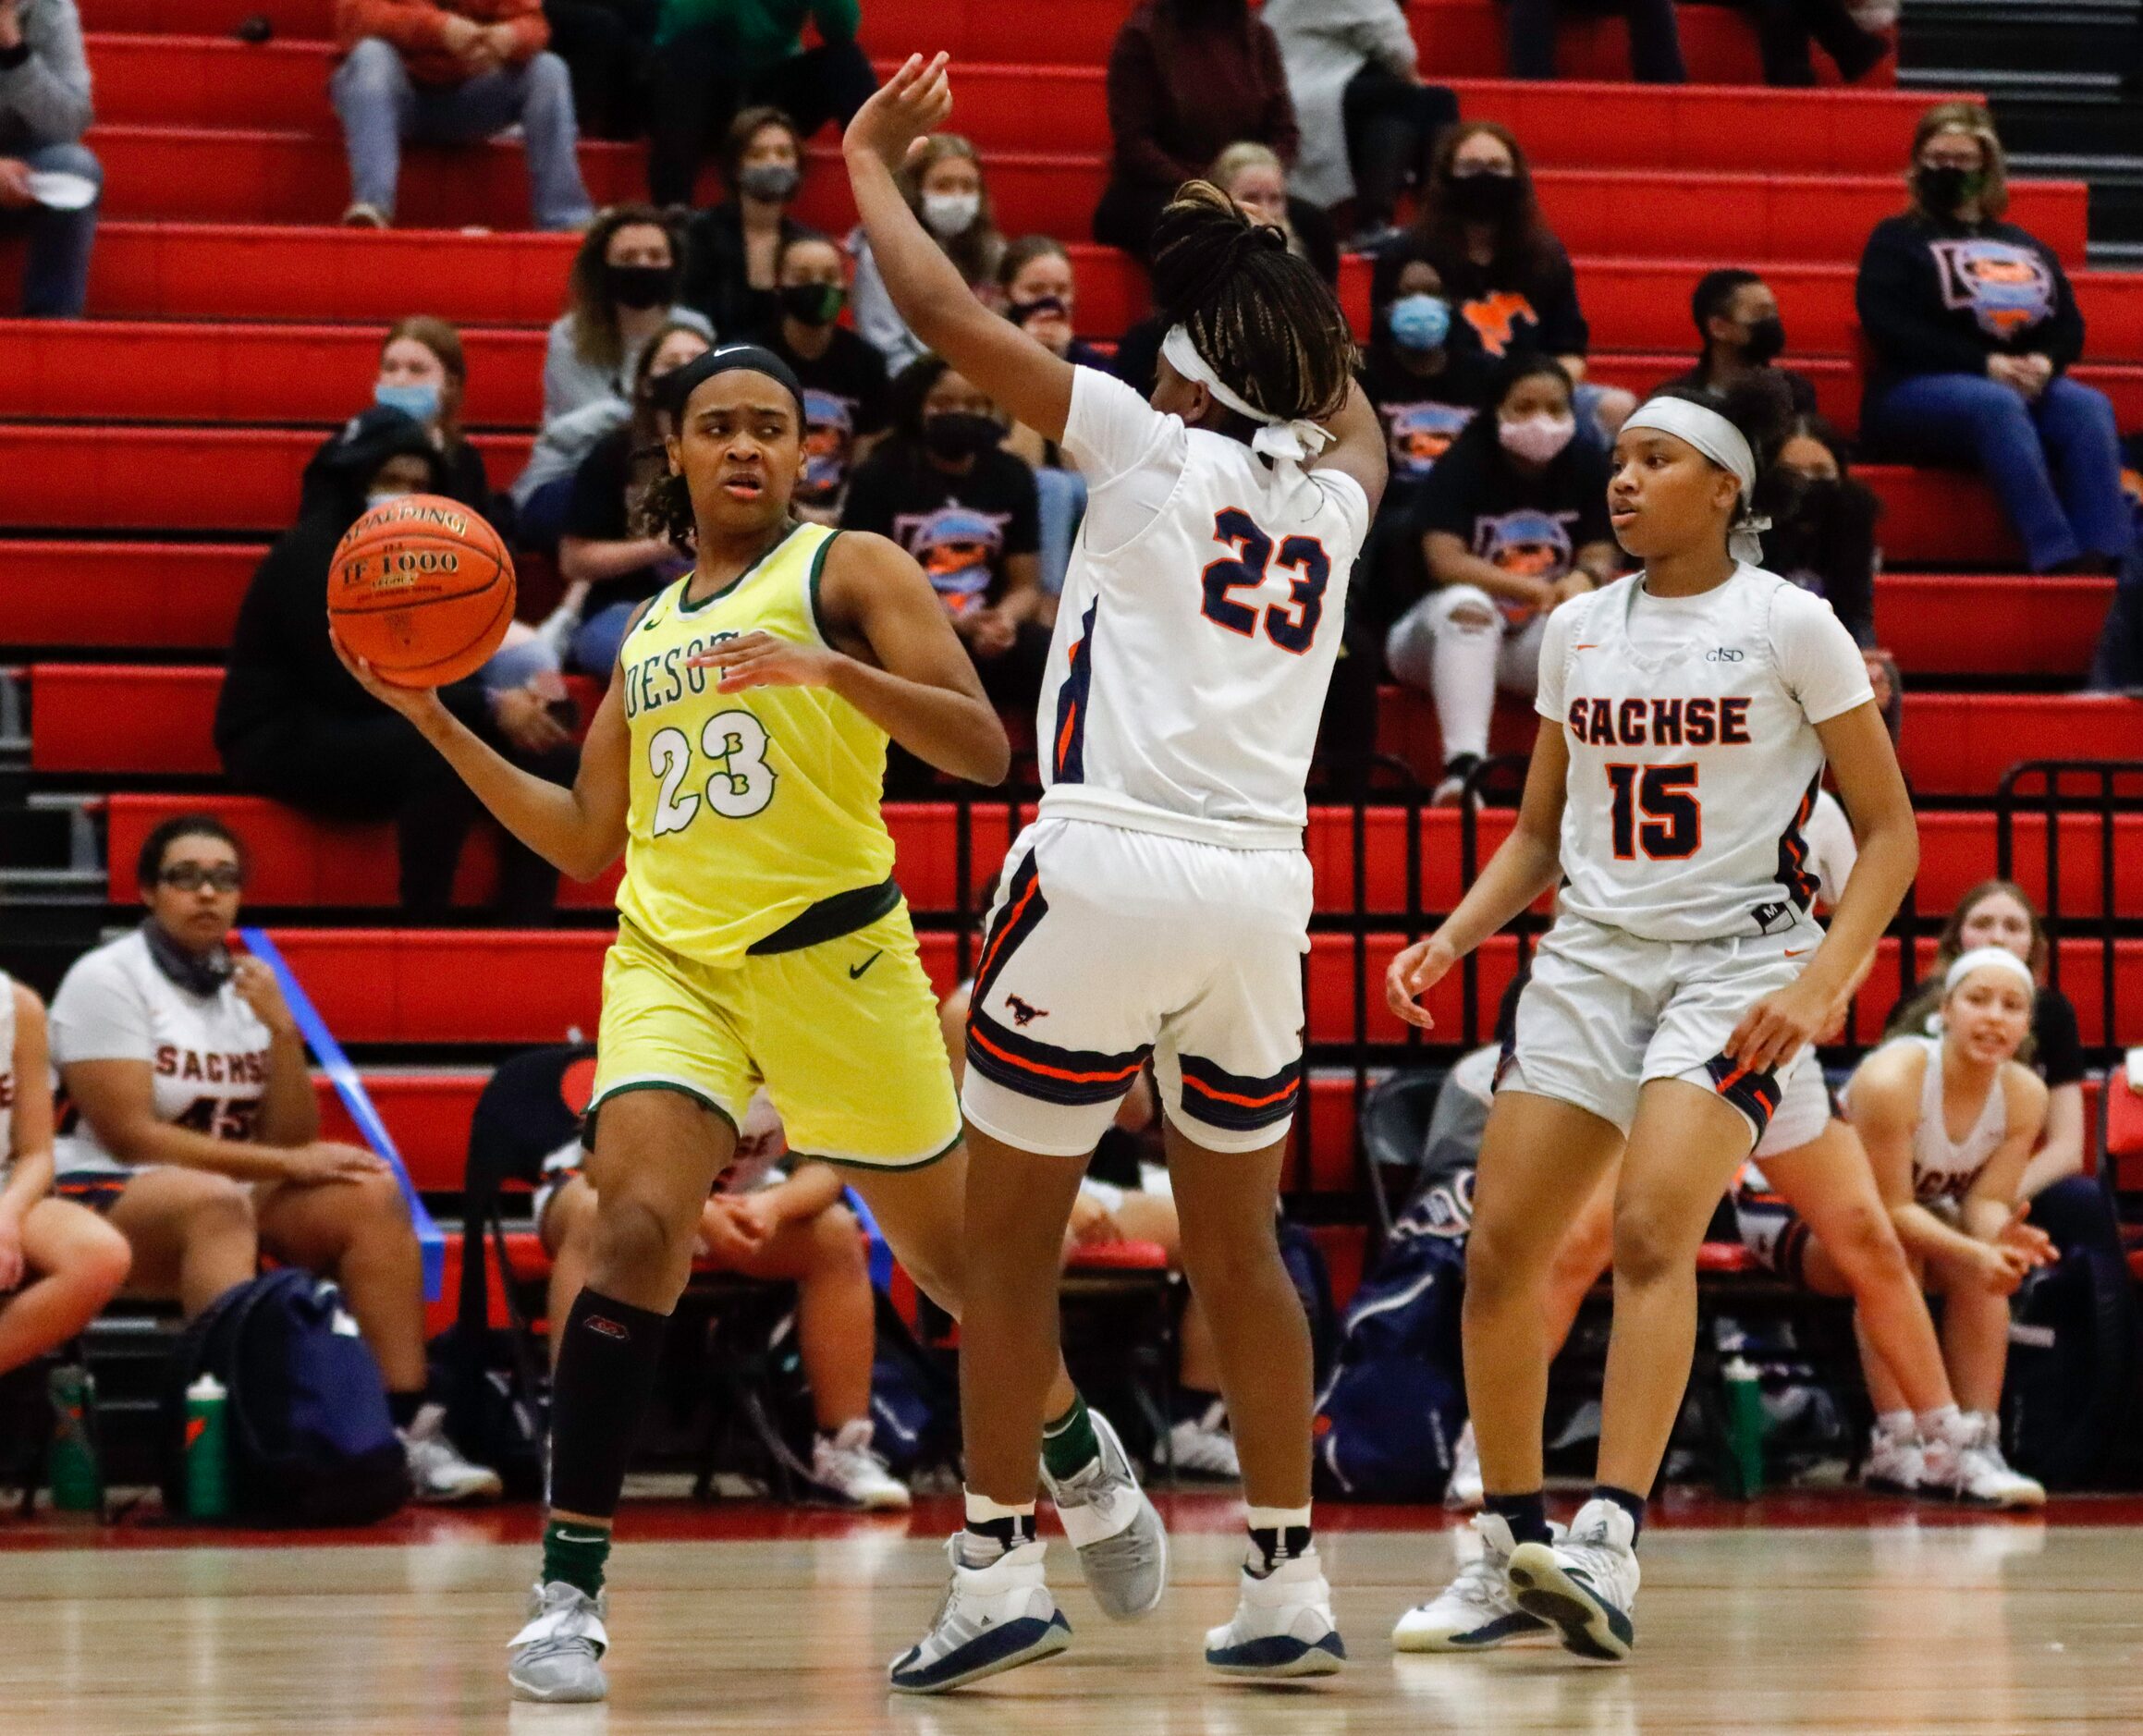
1948,1122
193,1128
59,1262
1687,713
1807,1206
1160,904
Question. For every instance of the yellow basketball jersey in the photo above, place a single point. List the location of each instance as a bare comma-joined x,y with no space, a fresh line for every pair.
746,807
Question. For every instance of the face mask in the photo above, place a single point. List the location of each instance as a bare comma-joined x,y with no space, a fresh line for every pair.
1419,322
1021,313
812,303
1766,341
961,434
639,286
947,214
1942,191
1537,438
774,182
1484,198
418,402
379,497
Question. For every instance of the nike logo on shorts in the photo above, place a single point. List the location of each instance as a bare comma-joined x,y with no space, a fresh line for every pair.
1794,952
857,970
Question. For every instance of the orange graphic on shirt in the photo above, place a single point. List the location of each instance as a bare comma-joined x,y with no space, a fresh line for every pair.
1492,318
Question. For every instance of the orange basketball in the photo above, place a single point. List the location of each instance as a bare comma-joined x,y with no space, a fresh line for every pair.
421,588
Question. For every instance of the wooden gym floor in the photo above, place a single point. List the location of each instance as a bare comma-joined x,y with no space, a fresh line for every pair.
1801,1613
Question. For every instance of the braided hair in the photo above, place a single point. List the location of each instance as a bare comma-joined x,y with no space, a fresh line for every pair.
1269,324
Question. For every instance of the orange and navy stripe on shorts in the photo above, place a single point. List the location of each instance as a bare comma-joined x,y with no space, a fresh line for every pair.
1237,1102
97,1189
1754,1094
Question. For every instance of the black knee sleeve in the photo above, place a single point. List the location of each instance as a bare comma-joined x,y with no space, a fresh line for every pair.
605,1376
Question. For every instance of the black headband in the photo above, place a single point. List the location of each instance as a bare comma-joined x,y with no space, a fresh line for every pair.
674,390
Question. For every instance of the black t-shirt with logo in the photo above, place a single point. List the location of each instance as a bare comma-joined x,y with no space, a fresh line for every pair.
844,401
1422,414
961,529
1531,525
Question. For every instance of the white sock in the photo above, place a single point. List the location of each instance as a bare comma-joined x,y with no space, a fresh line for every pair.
1946,1423
1896,1425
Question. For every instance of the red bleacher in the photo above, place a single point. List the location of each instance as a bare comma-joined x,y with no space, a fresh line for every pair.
131,719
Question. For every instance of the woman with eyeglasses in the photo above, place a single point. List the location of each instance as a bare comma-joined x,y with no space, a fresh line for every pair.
193,1130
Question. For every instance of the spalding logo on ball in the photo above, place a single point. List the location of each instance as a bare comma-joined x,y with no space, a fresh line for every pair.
421,588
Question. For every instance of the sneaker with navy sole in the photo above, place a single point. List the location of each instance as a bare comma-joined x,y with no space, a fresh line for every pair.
1123,1546
1283,1625
1585,1584
1478,1611
995,1618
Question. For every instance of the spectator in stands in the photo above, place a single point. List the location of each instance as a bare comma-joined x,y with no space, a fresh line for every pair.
1124,1197
1042,299
945,189
610,567
49,180
1887,687
1369,124
2000,913
1823,534
1786,26
1973,328
943,487
732,250
1738,331
845,394
453,75
622,290
606,45
1186,80
1425,389
773,1218
424,372
1654,37
292,723
713,57
60,1264
1508,277
1513,524
1254,177
197,1133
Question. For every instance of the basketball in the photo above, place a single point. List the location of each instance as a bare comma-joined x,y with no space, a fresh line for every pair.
421,588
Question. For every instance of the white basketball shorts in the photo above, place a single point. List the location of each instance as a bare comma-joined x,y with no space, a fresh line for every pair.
1605,1011
1108,947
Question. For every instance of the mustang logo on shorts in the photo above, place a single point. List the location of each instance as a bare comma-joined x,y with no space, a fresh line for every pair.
1022,1014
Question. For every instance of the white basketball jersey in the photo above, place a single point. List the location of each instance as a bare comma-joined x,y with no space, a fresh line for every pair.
1693,759
207,1054
6,1072
1199,623
1943,1169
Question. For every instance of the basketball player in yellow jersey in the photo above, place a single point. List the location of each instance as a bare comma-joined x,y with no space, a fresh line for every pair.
738,759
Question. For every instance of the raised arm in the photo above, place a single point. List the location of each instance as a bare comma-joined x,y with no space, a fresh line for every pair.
1030,381
1358,447
892,653
578,831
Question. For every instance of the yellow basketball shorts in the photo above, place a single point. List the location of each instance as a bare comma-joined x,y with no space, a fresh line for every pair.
844,1034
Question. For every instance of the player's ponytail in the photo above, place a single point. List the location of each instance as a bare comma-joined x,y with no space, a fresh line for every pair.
1263,320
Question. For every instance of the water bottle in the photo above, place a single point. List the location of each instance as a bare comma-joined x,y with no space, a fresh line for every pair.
207,1451
78,1481
1741,1465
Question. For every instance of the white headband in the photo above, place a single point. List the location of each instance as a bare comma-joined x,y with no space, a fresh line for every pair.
1983,958
1287,444
1726,447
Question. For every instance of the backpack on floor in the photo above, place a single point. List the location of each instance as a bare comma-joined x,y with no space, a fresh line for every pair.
1391,1413
1389,1421
2072,1409
1313,1282
310,1439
